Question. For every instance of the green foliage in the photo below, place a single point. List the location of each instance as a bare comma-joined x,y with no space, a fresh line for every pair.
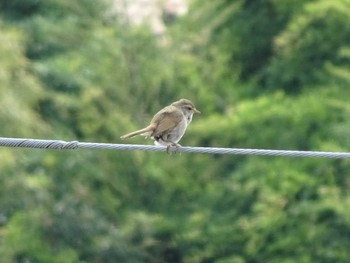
265,74
20,89
313,39
22,242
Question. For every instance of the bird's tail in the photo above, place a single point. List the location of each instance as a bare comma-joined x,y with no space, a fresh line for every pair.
145,132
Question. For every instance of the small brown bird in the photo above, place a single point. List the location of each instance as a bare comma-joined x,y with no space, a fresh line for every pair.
169,124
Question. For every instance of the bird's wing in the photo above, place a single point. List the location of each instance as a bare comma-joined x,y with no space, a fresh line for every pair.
166,119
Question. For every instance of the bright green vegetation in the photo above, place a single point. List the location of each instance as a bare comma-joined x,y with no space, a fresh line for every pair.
265,74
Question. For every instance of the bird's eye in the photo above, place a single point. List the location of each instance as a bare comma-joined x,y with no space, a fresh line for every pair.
188,108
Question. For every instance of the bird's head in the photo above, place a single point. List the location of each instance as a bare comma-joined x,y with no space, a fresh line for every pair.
186,106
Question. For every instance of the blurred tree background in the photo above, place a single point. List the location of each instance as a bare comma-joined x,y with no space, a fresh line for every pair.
265,74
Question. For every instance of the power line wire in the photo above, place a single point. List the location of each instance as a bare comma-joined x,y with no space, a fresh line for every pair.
63,145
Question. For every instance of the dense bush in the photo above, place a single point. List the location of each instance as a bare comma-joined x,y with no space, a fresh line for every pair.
265,74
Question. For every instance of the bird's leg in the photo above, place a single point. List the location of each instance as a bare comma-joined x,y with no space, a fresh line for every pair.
172,147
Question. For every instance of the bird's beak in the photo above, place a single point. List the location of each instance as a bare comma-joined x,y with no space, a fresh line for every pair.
196,111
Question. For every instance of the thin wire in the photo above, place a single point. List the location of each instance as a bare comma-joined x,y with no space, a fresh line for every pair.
63,145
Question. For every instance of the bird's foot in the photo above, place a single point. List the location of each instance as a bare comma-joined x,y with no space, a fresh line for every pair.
172,148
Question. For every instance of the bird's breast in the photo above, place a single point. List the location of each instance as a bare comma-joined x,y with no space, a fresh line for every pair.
176,134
